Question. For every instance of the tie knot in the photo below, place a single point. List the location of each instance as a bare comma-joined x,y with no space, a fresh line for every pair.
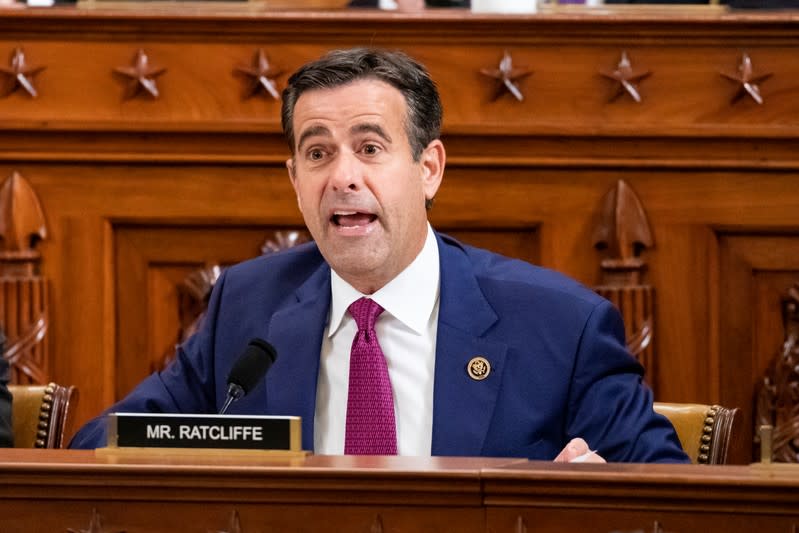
365,312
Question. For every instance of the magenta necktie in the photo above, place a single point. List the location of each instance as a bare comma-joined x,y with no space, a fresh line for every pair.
371,429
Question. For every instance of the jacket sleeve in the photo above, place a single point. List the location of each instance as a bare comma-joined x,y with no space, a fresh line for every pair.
610,406
187,385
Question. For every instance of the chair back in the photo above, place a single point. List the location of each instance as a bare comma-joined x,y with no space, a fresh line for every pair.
41,414
709,434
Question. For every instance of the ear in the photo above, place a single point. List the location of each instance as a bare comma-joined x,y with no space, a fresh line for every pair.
293,177
433,160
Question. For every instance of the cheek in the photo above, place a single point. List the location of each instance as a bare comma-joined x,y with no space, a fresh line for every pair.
308,194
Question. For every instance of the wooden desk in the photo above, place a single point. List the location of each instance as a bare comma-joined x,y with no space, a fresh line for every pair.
51,490
550,498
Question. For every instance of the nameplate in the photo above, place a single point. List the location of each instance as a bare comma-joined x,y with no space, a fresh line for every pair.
236,432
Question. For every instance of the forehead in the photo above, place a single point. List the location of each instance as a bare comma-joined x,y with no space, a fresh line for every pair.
360,100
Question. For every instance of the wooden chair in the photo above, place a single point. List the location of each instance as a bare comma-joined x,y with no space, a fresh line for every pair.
41,414
709,434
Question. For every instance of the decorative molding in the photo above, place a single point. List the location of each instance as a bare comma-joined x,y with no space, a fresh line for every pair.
507,77
777,397
141,76
22,223
20,75
95,525
747,80
656,528
24,316
622,234
262,76
626,78
234,524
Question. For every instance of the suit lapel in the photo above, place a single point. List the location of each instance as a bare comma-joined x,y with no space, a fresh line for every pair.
462,406
296,331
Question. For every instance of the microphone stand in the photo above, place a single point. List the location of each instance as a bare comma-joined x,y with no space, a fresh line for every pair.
234,392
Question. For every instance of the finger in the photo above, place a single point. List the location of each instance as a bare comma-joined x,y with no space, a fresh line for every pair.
574,448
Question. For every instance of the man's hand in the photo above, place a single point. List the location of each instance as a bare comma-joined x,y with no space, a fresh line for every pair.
578,451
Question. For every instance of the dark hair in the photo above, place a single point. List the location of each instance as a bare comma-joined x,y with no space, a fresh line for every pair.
340,67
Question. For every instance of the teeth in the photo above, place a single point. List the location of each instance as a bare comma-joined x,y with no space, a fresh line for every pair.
344,213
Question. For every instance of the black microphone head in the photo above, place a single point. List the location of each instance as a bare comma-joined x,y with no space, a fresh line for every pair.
252,365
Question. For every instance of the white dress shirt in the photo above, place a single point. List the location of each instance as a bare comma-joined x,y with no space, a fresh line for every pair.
406,331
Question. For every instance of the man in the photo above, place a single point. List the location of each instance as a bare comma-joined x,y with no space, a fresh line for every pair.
479,354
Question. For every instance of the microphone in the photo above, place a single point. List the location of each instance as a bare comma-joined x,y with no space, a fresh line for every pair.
248,370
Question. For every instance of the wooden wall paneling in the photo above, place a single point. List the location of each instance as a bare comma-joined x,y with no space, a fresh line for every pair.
622,235
153,260
679,270
199,87
524,177
776,411
86,205
755,270
522,243
80,324
24,309
572,69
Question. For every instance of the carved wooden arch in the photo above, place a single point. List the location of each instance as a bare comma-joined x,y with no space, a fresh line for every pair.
622,234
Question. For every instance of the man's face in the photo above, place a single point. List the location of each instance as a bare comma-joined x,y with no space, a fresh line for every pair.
360,192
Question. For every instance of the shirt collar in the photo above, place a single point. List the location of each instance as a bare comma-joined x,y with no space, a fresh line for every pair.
410,297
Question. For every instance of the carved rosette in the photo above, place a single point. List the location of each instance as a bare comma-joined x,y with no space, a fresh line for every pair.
23,292
778,392
622,234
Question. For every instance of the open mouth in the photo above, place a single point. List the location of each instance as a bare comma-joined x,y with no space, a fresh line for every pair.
352,219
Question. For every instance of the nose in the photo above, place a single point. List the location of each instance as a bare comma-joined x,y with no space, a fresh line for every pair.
346,172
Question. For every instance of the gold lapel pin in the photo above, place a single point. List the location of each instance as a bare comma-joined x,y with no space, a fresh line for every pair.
478,368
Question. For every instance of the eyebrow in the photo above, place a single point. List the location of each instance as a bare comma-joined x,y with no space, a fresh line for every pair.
323,131
369,127
312,132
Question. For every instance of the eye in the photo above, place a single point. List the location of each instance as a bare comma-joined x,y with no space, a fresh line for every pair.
370,149
316,154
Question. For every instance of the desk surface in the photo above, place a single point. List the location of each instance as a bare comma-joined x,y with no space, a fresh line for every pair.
52,490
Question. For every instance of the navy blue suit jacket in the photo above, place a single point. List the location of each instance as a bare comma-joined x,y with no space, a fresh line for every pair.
559,366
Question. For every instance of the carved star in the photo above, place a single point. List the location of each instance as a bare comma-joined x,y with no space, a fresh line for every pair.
507,77
626,78
95,525
262,76
20,75
747,80
234,526
141,76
